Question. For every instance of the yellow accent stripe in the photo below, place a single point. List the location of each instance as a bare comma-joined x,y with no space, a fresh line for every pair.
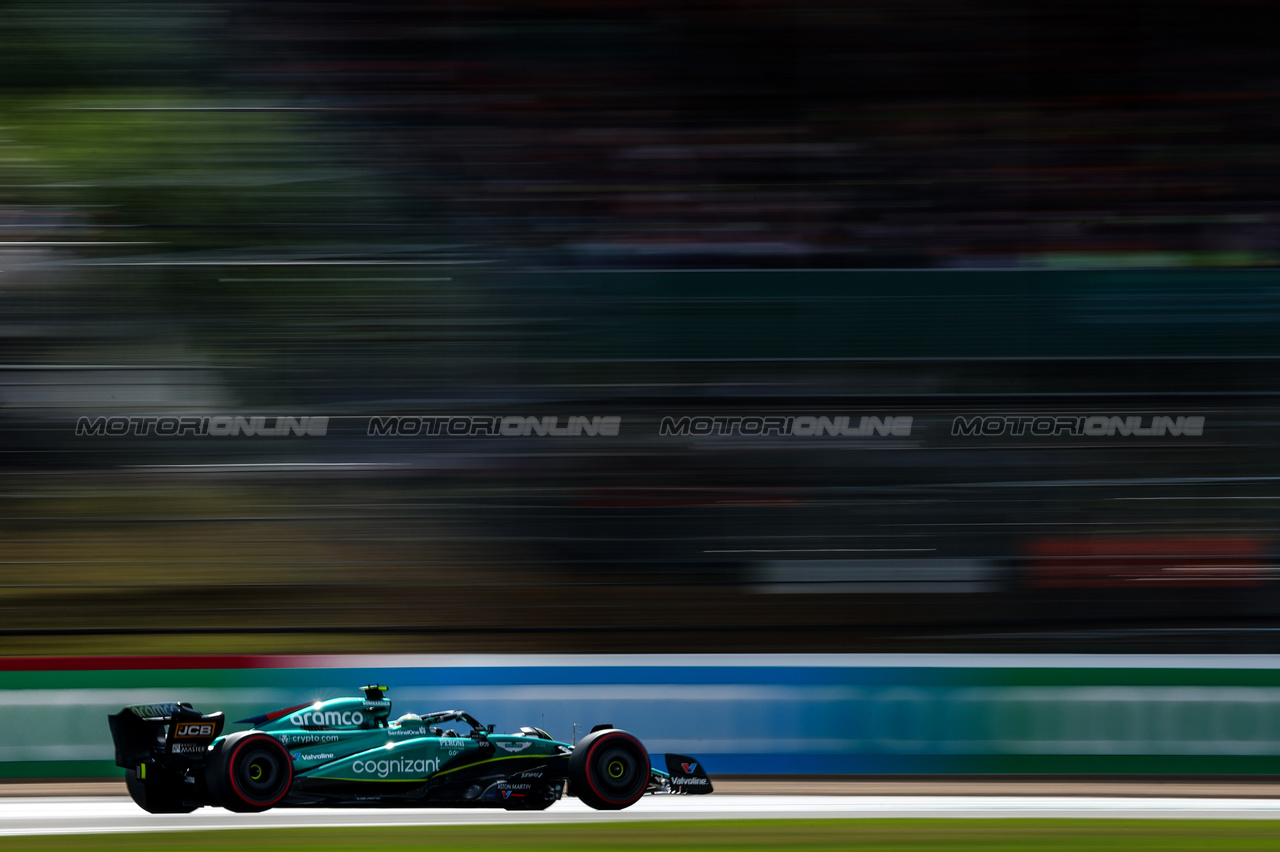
363,780
495,759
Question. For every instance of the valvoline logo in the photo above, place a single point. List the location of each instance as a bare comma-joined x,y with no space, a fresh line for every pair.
689,767
507,794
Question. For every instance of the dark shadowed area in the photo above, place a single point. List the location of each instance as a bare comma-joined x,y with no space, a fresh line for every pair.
555,326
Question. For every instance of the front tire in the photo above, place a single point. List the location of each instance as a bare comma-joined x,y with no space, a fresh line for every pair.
249,772
609,770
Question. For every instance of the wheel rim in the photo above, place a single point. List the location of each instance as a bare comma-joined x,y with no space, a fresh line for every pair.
260,774
619,771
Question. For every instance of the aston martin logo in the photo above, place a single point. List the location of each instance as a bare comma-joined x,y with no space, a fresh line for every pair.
513,747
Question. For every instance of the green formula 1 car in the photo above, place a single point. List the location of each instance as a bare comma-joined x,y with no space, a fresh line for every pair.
348,751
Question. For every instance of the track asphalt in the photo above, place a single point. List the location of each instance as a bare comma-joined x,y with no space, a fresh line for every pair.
110,814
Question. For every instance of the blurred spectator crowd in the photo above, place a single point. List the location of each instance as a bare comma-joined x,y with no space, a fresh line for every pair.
891,133
882,134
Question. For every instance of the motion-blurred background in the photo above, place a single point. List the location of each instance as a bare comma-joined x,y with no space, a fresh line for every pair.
1029,252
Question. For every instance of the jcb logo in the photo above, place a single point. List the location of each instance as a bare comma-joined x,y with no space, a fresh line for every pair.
189,730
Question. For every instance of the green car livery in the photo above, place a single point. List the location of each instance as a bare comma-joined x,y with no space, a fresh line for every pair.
348,751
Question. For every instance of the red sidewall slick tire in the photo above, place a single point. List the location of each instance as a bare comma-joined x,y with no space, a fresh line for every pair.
250,772
609,770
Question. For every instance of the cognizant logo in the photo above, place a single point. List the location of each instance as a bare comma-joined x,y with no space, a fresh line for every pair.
326,718
383,768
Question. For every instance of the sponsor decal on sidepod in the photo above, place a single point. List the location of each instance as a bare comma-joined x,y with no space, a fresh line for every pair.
309,739
385,766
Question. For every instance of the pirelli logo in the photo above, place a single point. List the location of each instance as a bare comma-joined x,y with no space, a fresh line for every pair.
193,730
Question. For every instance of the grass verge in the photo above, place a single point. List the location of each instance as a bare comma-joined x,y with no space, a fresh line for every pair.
809,835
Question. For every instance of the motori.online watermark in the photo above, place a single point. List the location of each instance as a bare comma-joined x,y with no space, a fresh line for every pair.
802,426
510,426
213,426
1078,425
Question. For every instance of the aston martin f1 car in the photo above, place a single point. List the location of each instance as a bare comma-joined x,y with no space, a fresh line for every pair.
348,751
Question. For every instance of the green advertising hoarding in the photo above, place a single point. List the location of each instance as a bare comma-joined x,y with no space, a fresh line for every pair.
758,714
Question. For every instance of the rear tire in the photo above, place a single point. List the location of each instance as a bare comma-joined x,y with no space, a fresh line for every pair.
609,770
249,772
160,795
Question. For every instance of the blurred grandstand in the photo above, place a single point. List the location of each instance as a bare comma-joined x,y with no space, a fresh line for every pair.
941,215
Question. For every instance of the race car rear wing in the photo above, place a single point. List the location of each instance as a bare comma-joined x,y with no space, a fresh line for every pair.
143,731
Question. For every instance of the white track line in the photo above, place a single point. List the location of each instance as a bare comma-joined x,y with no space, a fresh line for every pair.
114,814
